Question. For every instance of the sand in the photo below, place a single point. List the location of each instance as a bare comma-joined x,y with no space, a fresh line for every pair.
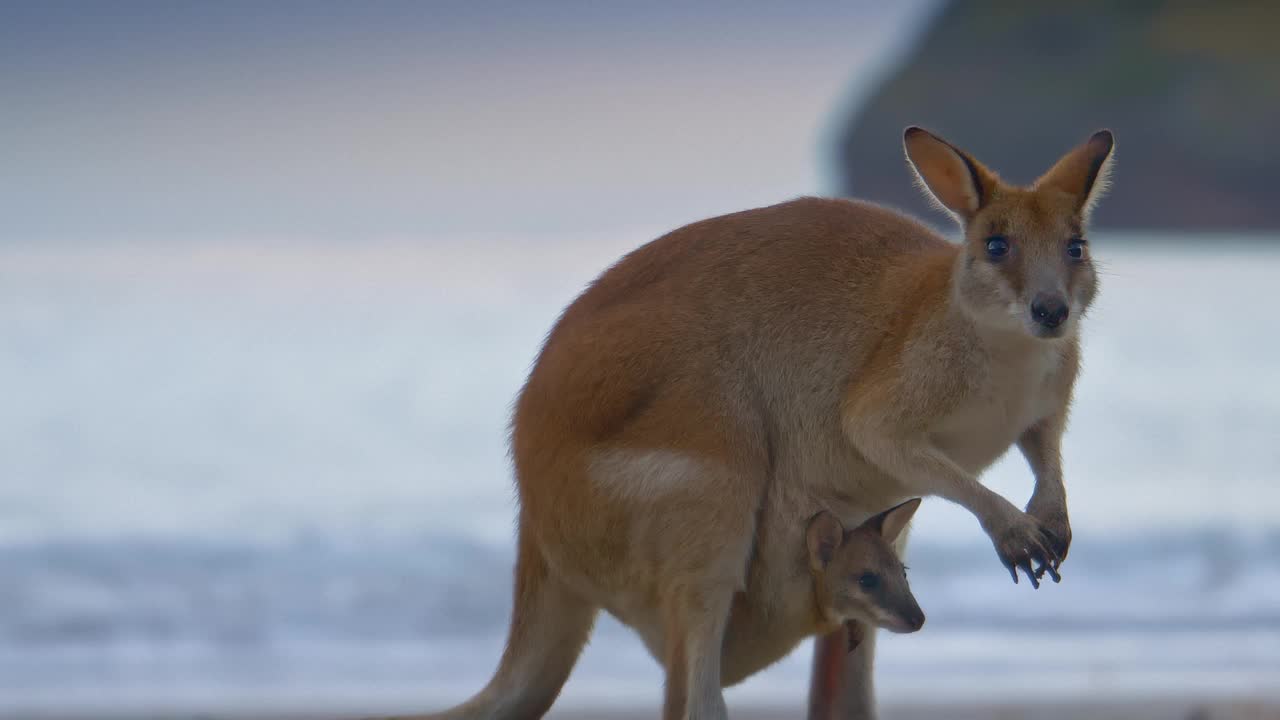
1135,710
1111,710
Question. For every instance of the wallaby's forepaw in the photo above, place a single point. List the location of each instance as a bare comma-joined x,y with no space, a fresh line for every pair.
1024,544
1054,522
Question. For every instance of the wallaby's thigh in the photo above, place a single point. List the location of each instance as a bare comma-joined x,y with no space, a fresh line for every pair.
654,519
695,626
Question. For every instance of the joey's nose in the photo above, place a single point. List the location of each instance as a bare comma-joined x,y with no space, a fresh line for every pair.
908,619
916,620
1049,310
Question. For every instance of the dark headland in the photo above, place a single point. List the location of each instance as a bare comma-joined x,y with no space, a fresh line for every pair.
1192,91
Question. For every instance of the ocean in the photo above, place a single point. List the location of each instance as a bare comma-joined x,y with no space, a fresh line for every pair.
272,475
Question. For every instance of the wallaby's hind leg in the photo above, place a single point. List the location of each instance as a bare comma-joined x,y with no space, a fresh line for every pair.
550,624
695,626
841,685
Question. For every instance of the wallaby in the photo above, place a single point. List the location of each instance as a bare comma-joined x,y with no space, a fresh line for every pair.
855,579
725,381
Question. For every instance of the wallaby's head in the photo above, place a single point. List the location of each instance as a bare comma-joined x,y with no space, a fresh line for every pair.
1025,264
858,576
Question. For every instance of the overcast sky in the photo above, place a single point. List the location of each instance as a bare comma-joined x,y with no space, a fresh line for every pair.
424,119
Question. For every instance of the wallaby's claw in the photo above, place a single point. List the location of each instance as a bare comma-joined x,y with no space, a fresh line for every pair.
1048,568
1051,568
1031,574
1050,542
1026,546
1056,529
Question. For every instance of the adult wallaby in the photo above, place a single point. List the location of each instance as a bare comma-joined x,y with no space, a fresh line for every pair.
724,382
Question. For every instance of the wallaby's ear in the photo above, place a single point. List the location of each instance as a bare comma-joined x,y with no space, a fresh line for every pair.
891,522
955,180
823,536
1083,172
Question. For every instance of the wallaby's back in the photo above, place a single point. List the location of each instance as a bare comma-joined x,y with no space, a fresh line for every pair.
714,306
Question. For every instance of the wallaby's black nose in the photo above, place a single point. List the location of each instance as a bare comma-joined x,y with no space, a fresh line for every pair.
917,620
1049,310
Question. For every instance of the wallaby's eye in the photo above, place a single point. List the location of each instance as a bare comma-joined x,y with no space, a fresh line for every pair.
1075,248
997,246
868,581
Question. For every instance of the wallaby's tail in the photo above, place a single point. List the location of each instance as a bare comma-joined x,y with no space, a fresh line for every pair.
550,624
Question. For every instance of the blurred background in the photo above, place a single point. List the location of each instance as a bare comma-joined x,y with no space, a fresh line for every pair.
272,273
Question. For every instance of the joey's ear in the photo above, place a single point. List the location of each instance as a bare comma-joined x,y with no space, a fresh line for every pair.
891,522
956,181
1083,172
823,536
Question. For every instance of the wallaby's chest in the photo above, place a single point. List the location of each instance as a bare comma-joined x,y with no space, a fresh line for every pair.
1004,394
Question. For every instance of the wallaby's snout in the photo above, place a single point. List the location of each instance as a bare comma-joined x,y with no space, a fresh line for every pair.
858,575
1049,310
917,619
912,617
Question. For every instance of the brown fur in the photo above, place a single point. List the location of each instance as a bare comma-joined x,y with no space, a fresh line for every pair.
724,382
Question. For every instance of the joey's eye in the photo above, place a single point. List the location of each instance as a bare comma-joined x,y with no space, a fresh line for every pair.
868,581
997,246
1075,248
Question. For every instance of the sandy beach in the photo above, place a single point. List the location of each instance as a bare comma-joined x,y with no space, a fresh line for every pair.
1124,710
1134,710
1215,709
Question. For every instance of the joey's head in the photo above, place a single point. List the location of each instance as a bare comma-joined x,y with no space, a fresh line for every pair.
1025,265
858,576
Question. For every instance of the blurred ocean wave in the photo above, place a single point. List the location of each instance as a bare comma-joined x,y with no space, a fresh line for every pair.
167,619
234,595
